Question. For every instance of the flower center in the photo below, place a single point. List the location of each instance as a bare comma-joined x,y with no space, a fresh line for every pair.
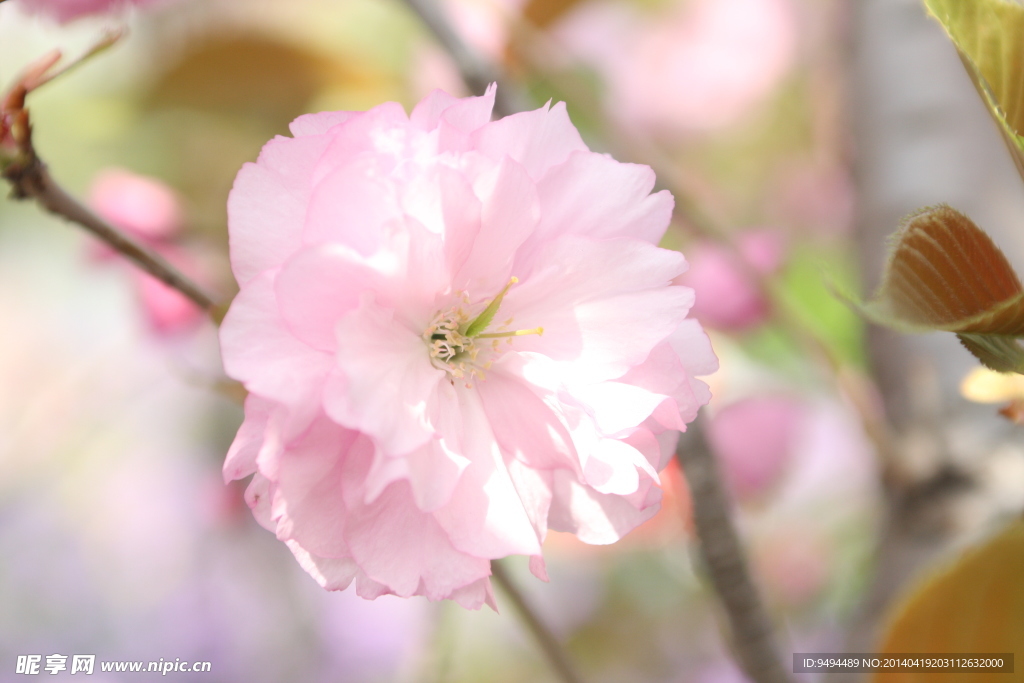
455,340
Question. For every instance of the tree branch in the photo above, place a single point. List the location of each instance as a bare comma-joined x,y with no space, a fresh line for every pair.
29,177
553,650
752,634
35,182
477,72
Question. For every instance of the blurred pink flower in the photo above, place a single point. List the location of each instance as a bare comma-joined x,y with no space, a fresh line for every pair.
728,296
754,440
150,211
167,311
700,65
407,421
69,10
143,206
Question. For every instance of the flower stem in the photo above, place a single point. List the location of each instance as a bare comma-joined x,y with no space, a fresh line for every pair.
35,182
553,650
752,634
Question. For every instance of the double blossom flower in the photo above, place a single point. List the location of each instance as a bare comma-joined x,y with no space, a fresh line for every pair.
456,334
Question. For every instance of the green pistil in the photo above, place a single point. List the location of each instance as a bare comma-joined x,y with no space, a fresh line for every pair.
487,315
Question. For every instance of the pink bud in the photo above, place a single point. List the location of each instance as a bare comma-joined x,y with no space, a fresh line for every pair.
167,310
754,440
143,206
728,296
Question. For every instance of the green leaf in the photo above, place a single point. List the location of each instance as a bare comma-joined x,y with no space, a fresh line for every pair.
974,606
802,291
996,352
945,273
989,34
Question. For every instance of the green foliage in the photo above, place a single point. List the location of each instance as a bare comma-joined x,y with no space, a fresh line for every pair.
804,295
989,35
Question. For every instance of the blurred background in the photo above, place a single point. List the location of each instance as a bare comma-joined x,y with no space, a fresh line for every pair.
794,134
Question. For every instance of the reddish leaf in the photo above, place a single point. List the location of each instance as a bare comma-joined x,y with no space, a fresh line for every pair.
945,273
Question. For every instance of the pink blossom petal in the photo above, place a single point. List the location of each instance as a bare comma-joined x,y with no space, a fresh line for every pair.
434,469
332,573
618,407
693,347
596,313
383,129
268,204
320,123
241,458
318,286
475,595
610,468
388,382
595,196
260,352
258,496
350,206
485,517
523,424
462,216
400,546
538,568
466,114
307,505
509,214
537,139
596,518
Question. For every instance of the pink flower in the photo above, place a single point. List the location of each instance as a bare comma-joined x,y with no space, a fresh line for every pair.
143,206
150,211
695,66
69,10
456,334
754,439
728,295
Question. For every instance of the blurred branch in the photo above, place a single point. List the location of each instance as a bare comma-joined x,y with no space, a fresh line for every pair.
752,634
557,657
29,177
476,70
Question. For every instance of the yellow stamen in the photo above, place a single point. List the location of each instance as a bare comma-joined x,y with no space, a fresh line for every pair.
517,333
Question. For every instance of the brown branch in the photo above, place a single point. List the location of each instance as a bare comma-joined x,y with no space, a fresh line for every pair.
21,166
752,634
35,182
557,657
477,72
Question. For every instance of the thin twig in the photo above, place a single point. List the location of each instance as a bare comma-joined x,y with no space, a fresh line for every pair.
29,177
476,70
35,182
752,634
557,657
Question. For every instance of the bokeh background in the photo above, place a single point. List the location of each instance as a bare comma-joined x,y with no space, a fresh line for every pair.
794,133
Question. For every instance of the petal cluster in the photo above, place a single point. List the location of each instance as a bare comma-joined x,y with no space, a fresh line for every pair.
456,335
